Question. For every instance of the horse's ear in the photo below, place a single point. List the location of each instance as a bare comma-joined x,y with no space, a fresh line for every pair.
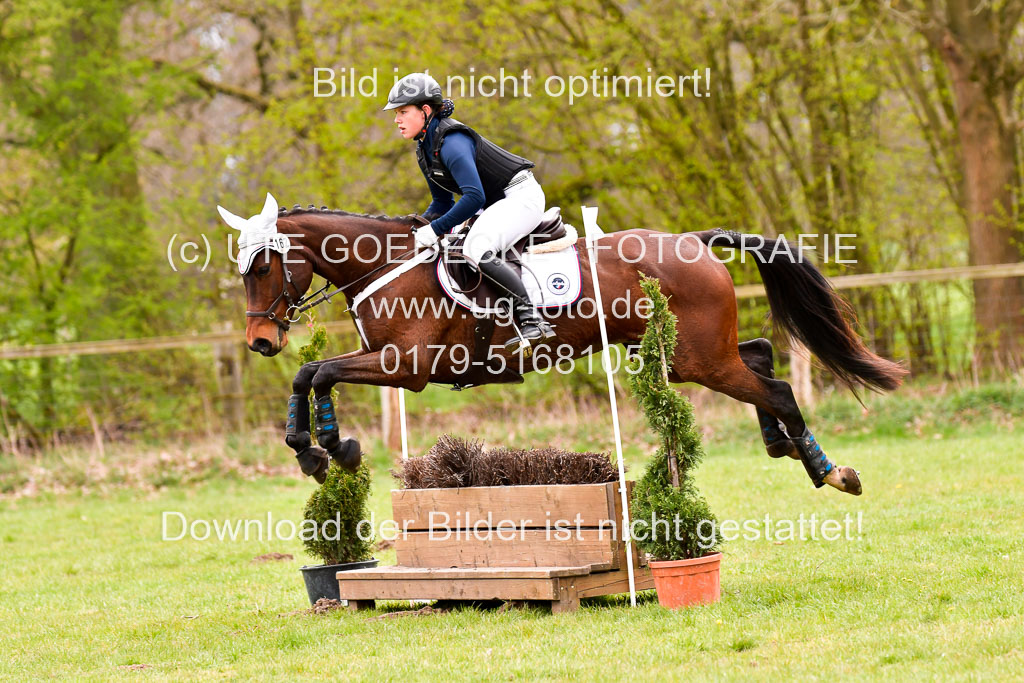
236,222
269,213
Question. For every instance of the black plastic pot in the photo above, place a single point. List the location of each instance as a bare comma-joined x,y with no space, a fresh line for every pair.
321,581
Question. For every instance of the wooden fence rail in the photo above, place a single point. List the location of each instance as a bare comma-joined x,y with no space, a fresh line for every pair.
903,276
108,346
743,291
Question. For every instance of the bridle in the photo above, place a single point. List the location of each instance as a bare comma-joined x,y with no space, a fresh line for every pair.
286,322
296,307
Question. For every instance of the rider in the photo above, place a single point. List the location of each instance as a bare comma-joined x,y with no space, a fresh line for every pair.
455,158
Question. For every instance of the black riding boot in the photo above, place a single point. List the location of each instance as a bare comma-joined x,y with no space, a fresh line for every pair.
531,325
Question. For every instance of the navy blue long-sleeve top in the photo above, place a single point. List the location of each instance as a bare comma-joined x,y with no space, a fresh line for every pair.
458,152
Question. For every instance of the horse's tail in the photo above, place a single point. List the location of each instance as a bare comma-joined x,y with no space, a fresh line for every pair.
804,304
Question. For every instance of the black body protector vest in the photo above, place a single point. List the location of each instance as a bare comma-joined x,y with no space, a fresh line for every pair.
495,165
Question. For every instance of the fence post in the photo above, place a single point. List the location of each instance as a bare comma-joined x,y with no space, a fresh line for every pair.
229,379
391,424
800,371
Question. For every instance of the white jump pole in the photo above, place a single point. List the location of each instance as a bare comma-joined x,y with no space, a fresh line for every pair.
593,233
405,456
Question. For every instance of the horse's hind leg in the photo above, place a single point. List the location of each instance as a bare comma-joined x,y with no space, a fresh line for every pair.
731,377
757,355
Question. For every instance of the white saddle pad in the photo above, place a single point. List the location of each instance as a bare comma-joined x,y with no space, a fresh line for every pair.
552,279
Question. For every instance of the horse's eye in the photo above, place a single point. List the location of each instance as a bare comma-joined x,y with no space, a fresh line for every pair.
262,271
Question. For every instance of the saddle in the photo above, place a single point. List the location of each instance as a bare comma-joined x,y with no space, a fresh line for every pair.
551,232
461,280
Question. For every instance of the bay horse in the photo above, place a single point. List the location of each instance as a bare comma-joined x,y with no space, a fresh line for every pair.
403,348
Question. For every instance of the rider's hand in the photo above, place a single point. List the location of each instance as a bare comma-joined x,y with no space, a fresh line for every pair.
425,236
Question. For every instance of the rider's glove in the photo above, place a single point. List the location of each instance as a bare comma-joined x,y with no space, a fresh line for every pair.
425,236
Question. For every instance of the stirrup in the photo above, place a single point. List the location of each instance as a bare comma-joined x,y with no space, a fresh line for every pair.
547,330
530,332
518,344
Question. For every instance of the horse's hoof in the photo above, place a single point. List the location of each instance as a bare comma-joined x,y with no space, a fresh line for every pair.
347,454
781,449
320,476
845,479
313,462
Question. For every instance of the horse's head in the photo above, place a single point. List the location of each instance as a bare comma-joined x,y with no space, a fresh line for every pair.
274,280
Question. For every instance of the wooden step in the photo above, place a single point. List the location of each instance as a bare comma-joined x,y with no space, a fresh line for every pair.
561,587
401,572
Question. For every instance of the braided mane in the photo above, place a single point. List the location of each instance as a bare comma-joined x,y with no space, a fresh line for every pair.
298,210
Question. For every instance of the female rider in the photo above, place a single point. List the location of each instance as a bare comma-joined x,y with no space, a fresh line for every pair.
456,159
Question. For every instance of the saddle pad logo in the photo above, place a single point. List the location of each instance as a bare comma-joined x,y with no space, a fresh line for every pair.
557,283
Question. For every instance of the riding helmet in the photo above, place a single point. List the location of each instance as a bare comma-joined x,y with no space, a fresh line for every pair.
416,88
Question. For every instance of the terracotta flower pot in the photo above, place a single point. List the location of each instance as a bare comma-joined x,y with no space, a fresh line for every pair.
681,583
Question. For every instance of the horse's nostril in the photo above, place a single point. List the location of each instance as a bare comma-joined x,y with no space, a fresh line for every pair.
261,345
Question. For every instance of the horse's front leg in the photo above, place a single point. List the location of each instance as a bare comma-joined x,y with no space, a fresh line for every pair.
313,460
381,368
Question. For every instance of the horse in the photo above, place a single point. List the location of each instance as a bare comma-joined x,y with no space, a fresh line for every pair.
403,348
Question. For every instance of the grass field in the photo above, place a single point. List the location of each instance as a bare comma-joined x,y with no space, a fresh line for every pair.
932,586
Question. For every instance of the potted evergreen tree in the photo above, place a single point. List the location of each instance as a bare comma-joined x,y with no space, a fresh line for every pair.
682,535
333,527
334,530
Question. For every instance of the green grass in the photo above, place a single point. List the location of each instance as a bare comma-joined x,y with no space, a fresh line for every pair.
933,587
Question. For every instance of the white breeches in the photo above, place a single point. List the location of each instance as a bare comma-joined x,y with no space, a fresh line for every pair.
506,220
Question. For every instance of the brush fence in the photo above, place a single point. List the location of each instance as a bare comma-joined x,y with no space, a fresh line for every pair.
554,544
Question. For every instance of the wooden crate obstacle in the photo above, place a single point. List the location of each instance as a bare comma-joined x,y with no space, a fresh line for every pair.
554,544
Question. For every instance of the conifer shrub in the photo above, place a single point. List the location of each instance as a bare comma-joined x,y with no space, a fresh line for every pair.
336,508
679,523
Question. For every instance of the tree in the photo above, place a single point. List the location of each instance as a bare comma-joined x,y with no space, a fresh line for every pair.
977,41
80,260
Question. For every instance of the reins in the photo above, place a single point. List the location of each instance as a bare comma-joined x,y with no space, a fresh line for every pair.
305,303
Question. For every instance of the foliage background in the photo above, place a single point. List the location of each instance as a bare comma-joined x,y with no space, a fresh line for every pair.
124,122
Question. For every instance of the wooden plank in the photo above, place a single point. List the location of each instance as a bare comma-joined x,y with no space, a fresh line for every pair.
109,346
459,589
981,272
445,574
611,583
404,583
495,548
485,507
615,502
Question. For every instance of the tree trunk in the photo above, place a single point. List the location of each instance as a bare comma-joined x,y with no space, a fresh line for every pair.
988,140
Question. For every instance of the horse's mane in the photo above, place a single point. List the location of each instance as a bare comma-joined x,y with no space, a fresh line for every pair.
298,210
